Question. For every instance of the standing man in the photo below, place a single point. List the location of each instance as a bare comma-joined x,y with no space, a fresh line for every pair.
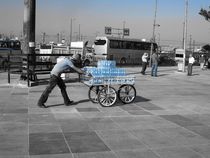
55,79
202,61
144,63
190,65
155,60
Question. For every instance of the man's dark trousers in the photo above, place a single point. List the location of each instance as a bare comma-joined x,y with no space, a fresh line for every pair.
54,80
144,66
189,69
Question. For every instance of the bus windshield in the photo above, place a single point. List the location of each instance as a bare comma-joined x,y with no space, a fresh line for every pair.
100,42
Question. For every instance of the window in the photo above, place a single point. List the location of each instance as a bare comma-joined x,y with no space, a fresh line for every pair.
114,44
137,45
134,45
45,47
128,45
100,42
180,55
146,46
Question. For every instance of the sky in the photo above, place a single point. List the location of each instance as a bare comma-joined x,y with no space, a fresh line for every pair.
91,16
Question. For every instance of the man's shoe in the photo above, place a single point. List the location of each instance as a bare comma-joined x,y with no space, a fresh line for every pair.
69,103
42,105
142,73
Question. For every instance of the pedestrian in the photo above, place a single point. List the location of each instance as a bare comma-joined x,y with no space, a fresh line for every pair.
55,79
190,65
202,61
154,60
208,63
144,63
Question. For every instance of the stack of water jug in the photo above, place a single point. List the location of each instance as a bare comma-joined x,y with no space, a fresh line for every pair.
106,72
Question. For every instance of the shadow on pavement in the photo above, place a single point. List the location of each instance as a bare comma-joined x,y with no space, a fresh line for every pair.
195,74
163,74
75,103
140,99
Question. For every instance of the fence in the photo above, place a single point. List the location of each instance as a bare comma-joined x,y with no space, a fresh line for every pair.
32,65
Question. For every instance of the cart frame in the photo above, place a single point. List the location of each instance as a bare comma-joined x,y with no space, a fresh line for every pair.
102,91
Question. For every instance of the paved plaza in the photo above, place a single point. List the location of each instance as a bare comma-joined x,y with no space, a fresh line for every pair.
170,118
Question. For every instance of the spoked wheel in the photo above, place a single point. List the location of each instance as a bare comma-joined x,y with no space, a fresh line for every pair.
93,93
107,96
127,93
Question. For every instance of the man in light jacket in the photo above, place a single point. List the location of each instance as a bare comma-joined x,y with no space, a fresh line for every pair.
144,63
190,65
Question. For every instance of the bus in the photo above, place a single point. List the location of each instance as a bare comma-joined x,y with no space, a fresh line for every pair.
8,46
81,47
77,47
122,50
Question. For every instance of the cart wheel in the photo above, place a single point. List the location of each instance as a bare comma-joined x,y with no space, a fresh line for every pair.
107,96
93,93
127,93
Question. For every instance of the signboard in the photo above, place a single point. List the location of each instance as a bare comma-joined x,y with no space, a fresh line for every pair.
126,32
108,30
179,54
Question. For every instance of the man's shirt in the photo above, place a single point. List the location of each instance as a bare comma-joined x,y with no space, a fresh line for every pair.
61,66
144,58
154,58
191,60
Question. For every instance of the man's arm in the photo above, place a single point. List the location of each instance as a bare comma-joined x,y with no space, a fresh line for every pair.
78,70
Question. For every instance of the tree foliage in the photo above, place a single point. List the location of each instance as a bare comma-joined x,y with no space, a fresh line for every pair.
205,14
206,48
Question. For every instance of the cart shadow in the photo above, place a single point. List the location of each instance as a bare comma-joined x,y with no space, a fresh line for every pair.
75,103
118,103
138,99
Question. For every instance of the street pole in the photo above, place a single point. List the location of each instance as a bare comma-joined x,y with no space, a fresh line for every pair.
190,44
29,23
153,34
28,44
70,37
79,32
123,29
185,34
43,38
71,30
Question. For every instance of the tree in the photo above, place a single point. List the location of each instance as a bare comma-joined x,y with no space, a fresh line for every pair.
206,48
205,14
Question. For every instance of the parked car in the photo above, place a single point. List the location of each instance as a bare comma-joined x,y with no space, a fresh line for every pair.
166,61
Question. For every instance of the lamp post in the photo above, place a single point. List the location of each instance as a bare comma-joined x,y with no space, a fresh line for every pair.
71,28
153,34
123,29
79,33
185,34
29,31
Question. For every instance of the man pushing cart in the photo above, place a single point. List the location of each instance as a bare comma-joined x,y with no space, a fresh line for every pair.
101,90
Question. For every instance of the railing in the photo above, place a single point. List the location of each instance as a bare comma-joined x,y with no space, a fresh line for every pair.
32,65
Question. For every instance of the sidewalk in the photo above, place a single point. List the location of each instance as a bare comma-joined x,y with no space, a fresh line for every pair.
170,118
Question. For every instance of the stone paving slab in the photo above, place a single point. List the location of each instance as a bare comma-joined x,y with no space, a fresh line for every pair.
170,117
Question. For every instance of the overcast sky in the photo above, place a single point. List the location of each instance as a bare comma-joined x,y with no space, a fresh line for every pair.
53,16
